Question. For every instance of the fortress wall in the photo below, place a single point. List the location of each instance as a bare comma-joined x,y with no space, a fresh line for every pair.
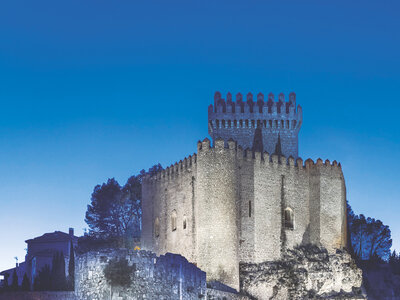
217,212
332,206
267,210
169,192
246,196
314,199
296,197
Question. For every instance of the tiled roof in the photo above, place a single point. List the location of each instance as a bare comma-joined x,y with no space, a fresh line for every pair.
56,236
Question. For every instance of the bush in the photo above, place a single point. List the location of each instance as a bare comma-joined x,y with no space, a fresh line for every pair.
118,272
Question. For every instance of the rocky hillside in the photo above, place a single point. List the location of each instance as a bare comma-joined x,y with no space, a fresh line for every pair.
306,272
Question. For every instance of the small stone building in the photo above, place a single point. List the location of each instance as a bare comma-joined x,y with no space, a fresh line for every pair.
246,197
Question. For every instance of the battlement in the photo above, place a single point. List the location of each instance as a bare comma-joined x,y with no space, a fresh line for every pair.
184,165
263,157
251,114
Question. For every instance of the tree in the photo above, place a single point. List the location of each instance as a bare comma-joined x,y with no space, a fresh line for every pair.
25,286
5,286
43,280
102,215
370,238
14,284
71,267
115,212
394,262
58,280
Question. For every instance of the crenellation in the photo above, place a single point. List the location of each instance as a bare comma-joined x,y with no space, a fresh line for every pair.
233,197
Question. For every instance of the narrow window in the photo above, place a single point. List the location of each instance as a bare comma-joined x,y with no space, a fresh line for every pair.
276,123
249,209
217,123
235,123
247,123
229,123
270,123
240,123
223,123
157,227
173,220
287,124
282,124
184,223
289,224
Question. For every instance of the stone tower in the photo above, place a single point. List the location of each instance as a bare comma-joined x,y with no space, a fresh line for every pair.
261,126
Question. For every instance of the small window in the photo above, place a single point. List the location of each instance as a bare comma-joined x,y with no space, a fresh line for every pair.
157,227
249,209
173,220
289,224
184,223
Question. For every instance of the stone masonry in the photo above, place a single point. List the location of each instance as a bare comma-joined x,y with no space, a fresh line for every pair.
260,126
225,205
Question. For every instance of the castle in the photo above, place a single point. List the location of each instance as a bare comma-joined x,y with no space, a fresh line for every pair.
247,196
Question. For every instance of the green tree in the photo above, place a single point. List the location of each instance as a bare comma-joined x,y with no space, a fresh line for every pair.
102,215
6,286
14,283
25,286
71,267
43,281
58,280
370,238
115,212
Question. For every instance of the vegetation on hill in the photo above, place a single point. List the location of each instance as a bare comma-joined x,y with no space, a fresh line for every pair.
114,214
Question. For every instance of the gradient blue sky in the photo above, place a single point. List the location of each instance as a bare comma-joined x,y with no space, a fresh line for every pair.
97,89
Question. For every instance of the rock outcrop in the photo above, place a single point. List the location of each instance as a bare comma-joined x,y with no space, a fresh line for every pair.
306,272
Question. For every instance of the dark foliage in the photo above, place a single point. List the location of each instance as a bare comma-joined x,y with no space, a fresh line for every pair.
71,268
14,284
115,212
101,216
53,279
118,272
58,279
394,262
42,281
25,286
91,243
370,239
5,286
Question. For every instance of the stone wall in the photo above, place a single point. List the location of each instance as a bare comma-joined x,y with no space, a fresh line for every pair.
165,277
257,124
38,296
173,193
233,202
306,272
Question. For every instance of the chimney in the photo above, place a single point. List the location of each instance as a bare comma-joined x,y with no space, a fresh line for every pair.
71,232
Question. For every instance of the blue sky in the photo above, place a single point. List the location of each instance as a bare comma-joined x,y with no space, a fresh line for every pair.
96,89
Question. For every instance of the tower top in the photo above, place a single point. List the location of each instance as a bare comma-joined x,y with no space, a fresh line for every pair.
257,124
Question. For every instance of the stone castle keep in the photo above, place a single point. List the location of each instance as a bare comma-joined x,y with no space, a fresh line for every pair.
246,197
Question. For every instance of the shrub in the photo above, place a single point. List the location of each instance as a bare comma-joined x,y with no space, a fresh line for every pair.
118,272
